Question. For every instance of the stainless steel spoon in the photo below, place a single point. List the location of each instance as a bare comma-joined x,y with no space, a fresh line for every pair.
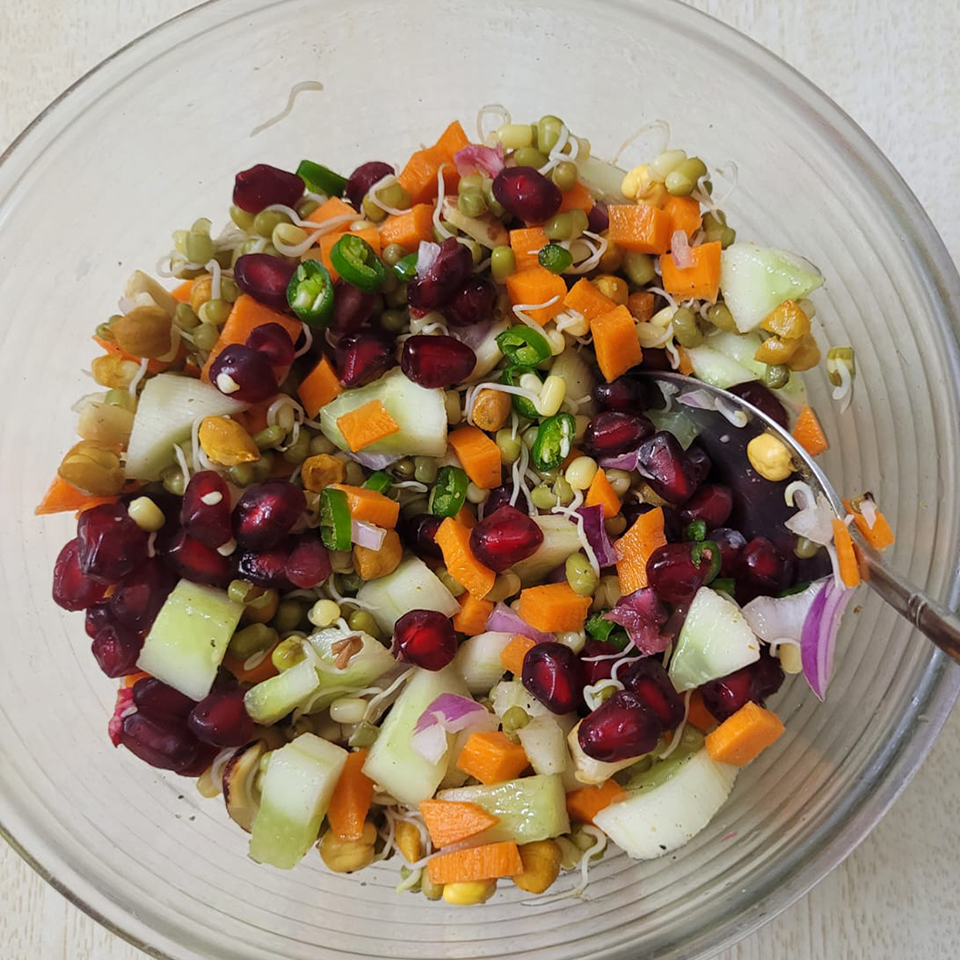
927,615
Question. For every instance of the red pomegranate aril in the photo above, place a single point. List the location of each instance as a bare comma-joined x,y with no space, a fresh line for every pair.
763,399
505,537
273,342
157,700
699,464
265,568
168,746
499,496
648,679
655,358
205,512
352,308
598,219
436,361
244,374
265,278
222,720
762,569
123,706
308,563
626,394
436,287
596,670
473,303
115,647
614,432
110,543
363,178
768,675
672,573
425,638
364,357
72,588
527,194
759,680
553,673
138,597
620,728
666,467
712,503
266,513
195,562
419,534
263,185
731,543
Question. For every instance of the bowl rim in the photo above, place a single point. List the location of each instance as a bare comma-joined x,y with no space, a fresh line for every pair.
939,685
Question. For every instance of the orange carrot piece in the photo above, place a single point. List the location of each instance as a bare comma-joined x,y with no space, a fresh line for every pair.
512,655
525,244
327,241
486,862
319,387
419,177
453,539
366,425
451,141
635,547
248,314
638,227
808,432
452,821
686,364
587,300
369,506
62,497
879,536
261,671
111,346
351,798
615,342
701,281
744,735
330,209
132,679
846,554
467,516
478,455
492,757
181,292
684,214
578,197
534,286
473,615
408,229
602,493
586,802
553,608
698,714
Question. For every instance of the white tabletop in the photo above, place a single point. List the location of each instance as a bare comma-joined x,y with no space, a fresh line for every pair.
895,67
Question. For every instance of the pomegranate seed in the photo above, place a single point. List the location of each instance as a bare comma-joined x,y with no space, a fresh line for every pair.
596,670
553,673
712,504
168,745
243,373
274,343
266,513
731,543
122,706
725,696
499,496
673,574
308,563
436,288
620,728
627,394
138,597
364,357
505,537
205,512
265,568
363,178
647,679
655,358
436,361
419,534
473,303
263,185
197,563
265,278
763,399
110,543
613,432
527,194
762,569
598,219
700,464
160,702
767,674
352,308
425,638
115,647
221,719
667,468
72,588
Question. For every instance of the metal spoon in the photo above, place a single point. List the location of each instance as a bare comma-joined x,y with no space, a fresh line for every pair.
930,617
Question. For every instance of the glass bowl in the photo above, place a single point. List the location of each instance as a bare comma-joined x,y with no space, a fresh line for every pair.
151,140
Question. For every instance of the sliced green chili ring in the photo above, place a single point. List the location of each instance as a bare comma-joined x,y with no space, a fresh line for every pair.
335,525
449,493
709,551
554,441
511,376
790,591
696,530
602,629
379,481
406,268
725,585
321,179
554,257
310,293
357,263
523,346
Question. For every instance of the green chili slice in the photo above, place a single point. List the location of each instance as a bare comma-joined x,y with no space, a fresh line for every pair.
335,525
321,179
406,268
696,530
379,481
357,263
511,375
554,257
523,346
449,493
707,551
790,591
725,585
554,441
310,293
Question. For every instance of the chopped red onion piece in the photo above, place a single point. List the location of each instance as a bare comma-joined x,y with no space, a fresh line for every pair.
472,335
426,256
596,534
642,615
781,618
680,250
819,635
698,399
475,156
367,534
373,461
505,620
448,713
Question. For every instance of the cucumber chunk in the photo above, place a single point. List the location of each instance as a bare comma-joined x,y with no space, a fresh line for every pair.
412,586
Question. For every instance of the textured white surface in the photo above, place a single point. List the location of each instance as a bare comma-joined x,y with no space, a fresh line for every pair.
895,68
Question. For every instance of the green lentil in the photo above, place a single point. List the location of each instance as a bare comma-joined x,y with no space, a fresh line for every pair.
394,195
425,469
509,446
529,157
638,267
241,475
681,181
269,437
121,398
363,621
721,317
299,451
199,247
289,616
287,233
305,207
564,175
514,136
393,321
548,132
776,375
472,204
172,480
252,639
205,336
543,497
371,211
563,491
805,549
262,467
242,218
214,312
685,328
515,718
494,205
444,577
559,227
184,318
471,182
405,468
266,221
364,736
503,263
581,576
392,254
288,653
320,444
396,298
